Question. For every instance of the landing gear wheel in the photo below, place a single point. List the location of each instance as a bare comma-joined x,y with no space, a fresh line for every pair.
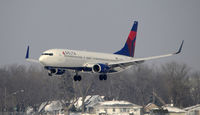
103,77
77,78
50,74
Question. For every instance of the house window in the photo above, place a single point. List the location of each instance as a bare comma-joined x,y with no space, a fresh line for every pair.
113,110
121,110
124,109
105,110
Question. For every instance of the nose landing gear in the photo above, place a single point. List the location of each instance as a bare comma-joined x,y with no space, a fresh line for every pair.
77,78
103,77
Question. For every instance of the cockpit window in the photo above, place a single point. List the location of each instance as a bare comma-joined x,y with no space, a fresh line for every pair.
50,54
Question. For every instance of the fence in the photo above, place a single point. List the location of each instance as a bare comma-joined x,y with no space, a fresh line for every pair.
12,113
52,113
23,113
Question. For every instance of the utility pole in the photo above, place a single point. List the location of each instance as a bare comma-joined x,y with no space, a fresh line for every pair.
7,96
5,103
159,98
153,96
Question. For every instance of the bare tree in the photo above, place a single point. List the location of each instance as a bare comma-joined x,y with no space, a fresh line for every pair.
171,81
67,94
83,88
195,87
176,83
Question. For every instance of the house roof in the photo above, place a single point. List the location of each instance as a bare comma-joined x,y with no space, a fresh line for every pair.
150,106
174,109
192,107
53,105
90,101
118,104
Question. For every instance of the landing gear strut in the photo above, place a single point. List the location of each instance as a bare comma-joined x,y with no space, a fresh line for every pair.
103,77
77,77
49,73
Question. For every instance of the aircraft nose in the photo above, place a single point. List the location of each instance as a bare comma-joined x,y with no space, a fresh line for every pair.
41,59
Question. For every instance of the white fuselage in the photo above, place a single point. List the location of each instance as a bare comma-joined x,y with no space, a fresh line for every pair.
76,58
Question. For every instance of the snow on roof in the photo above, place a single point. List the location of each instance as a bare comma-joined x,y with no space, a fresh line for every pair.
192,107
29,110
42,106
94,100
151,106
54,105
71,113
90,100
117,103
174,109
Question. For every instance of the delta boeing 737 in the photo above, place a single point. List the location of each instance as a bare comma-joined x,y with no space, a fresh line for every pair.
57,61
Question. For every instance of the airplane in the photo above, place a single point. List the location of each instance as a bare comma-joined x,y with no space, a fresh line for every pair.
57,61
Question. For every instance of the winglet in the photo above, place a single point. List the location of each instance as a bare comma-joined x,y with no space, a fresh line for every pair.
179,51
27,53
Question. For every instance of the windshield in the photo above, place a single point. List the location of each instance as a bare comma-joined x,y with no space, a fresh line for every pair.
50,54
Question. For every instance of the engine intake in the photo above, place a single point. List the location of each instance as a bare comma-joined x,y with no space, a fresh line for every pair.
57,71
100,68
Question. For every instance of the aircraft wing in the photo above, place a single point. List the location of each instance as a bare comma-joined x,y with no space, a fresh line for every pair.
141,60
32,60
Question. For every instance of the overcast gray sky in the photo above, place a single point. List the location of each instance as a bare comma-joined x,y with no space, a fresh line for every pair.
100,25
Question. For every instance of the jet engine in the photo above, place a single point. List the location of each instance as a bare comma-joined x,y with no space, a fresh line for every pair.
100,68
57,71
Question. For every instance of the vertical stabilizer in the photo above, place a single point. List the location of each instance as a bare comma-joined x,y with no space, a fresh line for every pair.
129,47
27,53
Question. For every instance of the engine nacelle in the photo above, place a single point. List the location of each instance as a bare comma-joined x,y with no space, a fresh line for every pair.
100,68
57,71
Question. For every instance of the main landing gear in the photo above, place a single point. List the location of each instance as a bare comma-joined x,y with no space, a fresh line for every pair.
77,78
49,74
103,77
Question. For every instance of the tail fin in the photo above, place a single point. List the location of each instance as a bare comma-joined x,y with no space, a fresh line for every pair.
129,47
27,53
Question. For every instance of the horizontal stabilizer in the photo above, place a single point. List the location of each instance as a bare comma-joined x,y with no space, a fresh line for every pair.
27,57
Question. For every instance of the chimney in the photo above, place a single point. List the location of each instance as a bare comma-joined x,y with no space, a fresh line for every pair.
172,103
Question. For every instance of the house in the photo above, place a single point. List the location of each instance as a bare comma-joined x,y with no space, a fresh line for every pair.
193,110
150,107
55,107
117,108
90,101
173,110
168,109
51,107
